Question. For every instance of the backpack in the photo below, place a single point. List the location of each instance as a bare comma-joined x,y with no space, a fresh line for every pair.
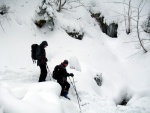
56,72
33,52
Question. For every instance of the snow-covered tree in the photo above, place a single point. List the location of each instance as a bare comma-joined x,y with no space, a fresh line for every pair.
146,24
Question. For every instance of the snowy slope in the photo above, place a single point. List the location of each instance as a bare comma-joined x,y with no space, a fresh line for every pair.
125,75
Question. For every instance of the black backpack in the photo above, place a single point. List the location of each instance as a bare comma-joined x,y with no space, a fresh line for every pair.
33,52
56,72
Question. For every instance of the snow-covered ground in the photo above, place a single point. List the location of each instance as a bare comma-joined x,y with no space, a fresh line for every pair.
124,67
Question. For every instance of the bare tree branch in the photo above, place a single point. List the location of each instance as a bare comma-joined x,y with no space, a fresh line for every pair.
121,3
145,39
2,27
143,5
134,54
131,41
82,4
64,3
138,33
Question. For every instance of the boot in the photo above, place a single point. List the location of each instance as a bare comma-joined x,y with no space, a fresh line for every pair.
65,95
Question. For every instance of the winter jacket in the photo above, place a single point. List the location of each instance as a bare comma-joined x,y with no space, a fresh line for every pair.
41,54
63,74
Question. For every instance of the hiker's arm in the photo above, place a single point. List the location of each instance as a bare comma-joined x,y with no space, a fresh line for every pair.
66,73
71,74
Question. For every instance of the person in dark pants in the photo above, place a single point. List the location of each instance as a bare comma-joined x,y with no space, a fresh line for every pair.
62,75
41,60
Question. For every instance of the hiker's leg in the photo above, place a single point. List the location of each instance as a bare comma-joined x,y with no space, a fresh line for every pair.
62,87
43,72
67,86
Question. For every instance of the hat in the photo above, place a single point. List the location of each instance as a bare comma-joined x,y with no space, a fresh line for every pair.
65,62
45,43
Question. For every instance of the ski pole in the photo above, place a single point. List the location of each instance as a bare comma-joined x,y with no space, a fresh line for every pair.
76,89
76,94
49,72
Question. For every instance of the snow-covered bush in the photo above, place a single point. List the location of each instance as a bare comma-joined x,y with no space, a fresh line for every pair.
66,4
4,9
98,79
75,34
146,24
45,14
110,30
73,28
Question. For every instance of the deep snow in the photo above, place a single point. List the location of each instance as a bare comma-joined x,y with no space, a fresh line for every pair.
124,67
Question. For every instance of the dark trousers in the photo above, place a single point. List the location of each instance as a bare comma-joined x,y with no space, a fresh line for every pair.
43,72
65,87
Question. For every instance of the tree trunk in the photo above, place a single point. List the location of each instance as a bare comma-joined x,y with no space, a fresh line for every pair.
129,18
138,32
59,8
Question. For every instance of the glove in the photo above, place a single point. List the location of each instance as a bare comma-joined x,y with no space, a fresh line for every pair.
71,74
46,59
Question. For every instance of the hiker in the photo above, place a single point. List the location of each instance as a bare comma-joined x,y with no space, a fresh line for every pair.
62,74
41,60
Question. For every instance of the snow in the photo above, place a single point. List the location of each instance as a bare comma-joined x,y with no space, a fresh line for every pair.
74,63
123,64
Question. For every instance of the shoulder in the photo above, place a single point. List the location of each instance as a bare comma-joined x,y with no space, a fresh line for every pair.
61,67
57,66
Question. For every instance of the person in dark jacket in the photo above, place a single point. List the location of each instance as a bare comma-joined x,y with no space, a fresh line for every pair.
62,77
41,60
